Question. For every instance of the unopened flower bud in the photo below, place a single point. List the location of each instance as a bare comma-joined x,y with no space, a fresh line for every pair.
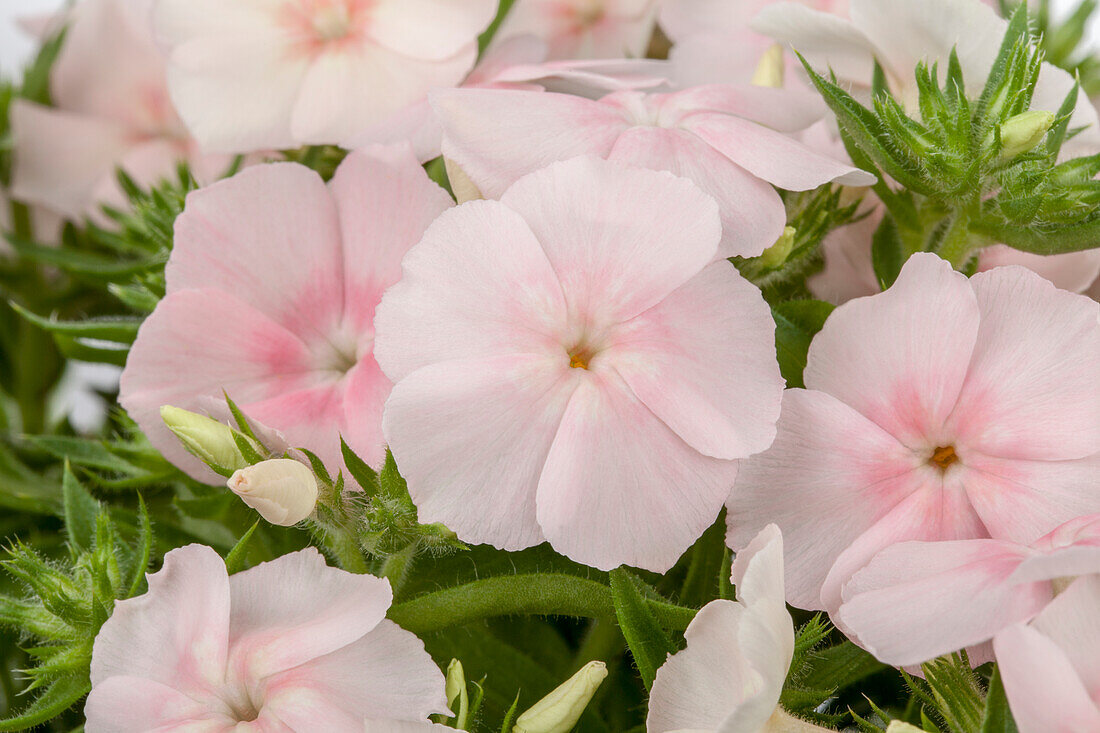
777,254
463,188
282,490
457,697
770,71
898,726
559,711
1023,132
207,439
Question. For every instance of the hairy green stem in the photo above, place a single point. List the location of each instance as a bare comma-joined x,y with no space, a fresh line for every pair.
957,246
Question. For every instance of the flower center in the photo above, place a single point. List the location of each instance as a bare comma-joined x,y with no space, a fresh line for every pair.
943,457
581,355
331,22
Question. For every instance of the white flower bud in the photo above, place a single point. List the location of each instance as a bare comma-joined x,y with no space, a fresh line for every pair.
282,490
457,697
1023,132
207,439
559,711
464,189
897,726
770,71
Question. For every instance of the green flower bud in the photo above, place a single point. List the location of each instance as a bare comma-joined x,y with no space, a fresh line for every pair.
1023,132
778,253
559,711
457,697
207,439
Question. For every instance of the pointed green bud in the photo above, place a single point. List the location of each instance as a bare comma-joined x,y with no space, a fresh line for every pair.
559,711
775,255
457,697
205,438
770,71
1023,132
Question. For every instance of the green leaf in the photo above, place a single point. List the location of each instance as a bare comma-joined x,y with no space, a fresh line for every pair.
840,666
83,452
887,252
58,697
796,324
957,692
235,560
997,717
648,642
80,512
364,475
144,550
510,716
118,329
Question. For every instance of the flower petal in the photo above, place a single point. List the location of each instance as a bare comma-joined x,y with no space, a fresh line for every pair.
131,704
620,487
827,41
676,358
429,29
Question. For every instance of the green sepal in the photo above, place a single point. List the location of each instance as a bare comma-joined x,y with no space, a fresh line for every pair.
649,644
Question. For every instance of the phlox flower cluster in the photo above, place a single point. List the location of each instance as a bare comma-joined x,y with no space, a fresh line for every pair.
524,307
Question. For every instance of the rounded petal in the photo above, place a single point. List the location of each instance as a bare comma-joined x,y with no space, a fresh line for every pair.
620,487
349,90
785,110
385,674
827,41
757,571
829,476
1044,691
1031,392
271,236
295,609
499,135
368,185
479,474
175,634
129,704
619,240
59,157
1073,271
900,357
677,355
198,344
752,213
459,298
429,29
849,271
918,600
1070,621
1023,500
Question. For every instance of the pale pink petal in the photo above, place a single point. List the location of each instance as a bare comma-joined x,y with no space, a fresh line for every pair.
479,474
785,110
403,726
900,357
1031,391
752,213
591,79
826,40
458,298
188,350
176,633
1073,271
576,29
703,685
231,74
508,53
242,235
428,29
1070,621
677,365
296,608
314,415
848,272
59,157
109,66
1044,691
717,57
918,600
130,704
349,90
365,391
757,571
1023,500
619,240
368,187
499,135
937,509
772,156
826,459
386,674
416,125
620,487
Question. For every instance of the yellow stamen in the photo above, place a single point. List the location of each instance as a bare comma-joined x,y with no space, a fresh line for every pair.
944,456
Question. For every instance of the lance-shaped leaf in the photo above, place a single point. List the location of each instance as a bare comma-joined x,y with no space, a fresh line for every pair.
648,642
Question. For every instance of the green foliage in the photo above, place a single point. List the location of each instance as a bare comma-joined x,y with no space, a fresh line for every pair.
648,642
796,324
971,171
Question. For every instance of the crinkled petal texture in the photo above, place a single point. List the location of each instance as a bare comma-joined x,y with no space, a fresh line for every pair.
272,285
941,409
716,136
1050,670
731,674
293,644
559,372
248,76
